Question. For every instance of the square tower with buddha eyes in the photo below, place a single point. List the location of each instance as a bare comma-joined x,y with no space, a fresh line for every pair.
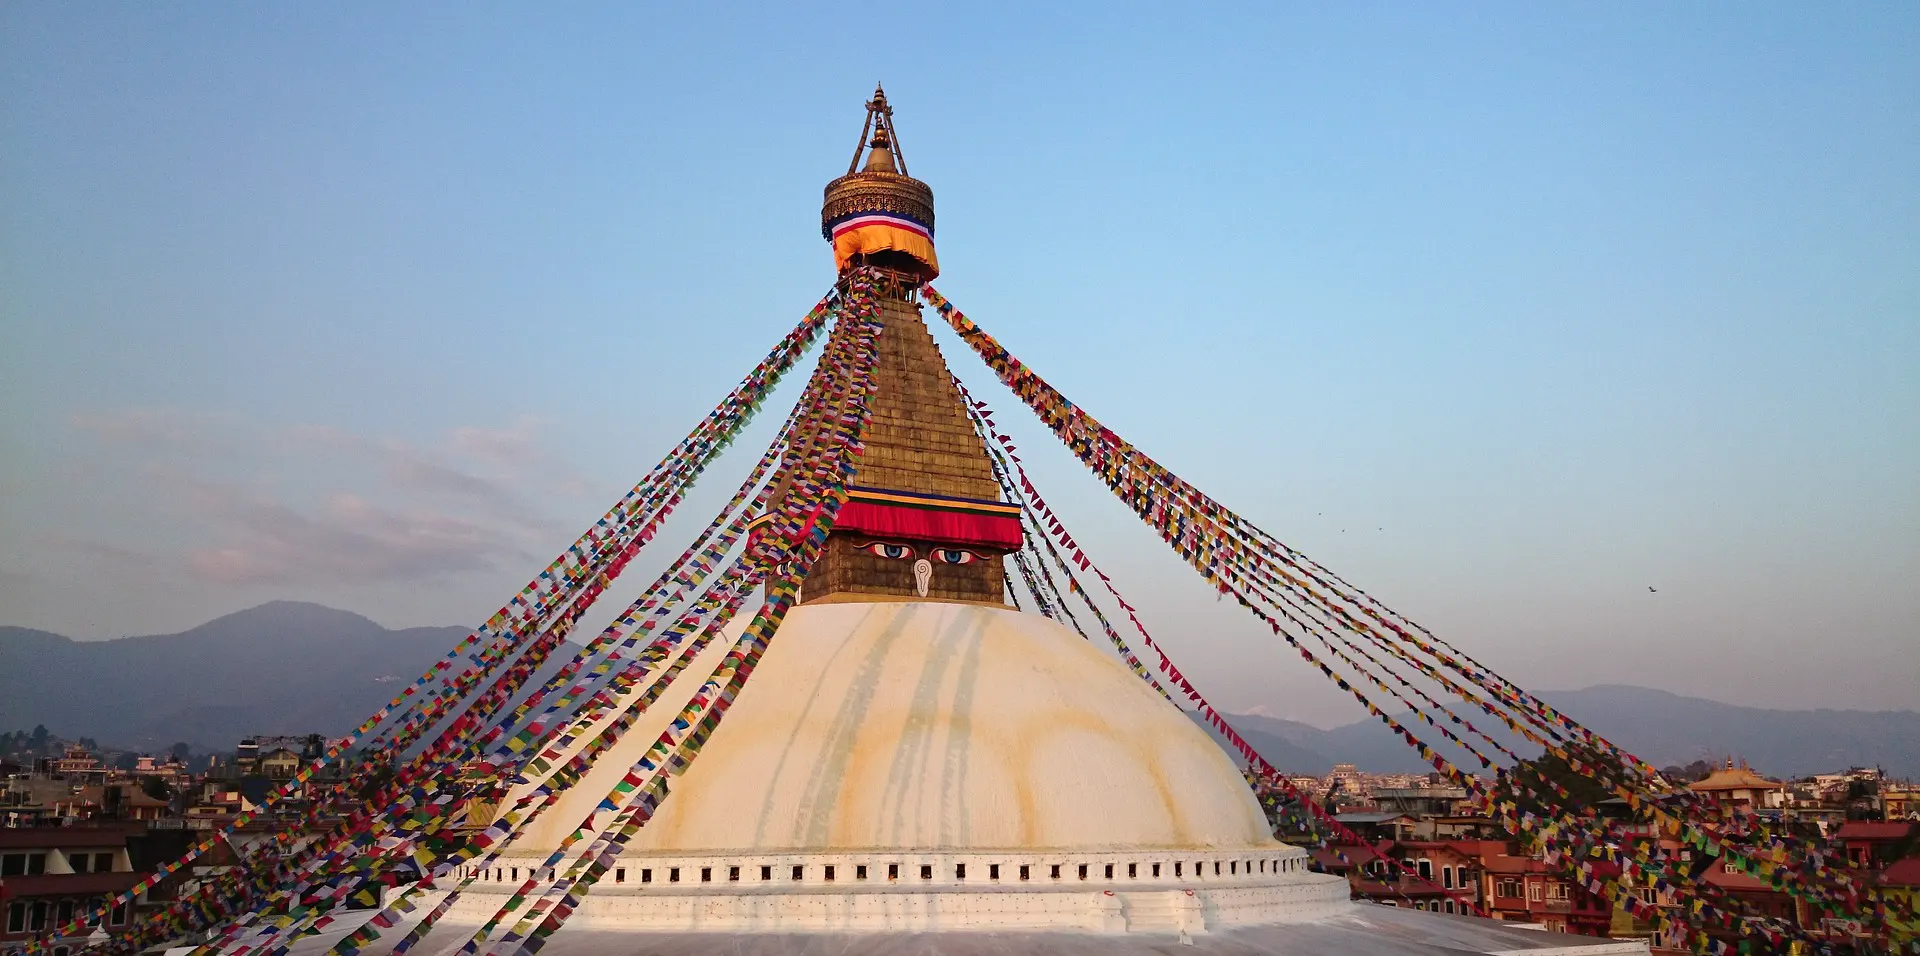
924,518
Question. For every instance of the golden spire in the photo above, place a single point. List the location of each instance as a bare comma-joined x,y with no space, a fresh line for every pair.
885,144
877,215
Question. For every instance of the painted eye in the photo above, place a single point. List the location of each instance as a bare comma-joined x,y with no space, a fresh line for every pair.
882,549
953,556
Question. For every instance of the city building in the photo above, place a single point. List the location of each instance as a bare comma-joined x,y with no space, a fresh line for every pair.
48,874
1740,787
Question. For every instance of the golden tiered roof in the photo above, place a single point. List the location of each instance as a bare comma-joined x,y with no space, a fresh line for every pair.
1731,777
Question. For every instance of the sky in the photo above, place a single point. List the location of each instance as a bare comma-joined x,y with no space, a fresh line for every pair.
1586,335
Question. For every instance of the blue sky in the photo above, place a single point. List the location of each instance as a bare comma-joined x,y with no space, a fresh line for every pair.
1506,313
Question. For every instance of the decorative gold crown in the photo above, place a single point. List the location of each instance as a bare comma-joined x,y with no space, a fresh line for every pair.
883,186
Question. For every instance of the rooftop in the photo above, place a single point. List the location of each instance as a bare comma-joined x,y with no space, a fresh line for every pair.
1731,777
1902,873
1370,817
60,838
1873,830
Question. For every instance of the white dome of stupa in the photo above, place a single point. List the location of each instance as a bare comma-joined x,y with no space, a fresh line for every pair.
938,726
943,777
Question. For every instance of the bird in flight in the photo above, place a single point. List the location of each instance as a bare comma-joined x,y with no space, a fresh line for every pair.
1652,590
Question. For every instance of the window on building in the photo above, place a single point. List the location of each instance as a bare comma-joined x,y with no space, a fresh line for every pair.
1156,871
799,872
1425,868
1083,871
706,874
1023,871
1132,870
827,873
1056,871
766,873
1533,892
37,915
1109,871
81,862
926,871
23,864
1446,877
119,915
1508,888
63,914
993,871
646,876
17,917
103,863
959,871
860,872
1176,868
673,874
893,871
1557,891
1449,906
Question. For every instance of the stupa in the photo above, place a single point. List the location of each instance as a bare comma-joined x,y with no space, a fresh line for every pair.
917,767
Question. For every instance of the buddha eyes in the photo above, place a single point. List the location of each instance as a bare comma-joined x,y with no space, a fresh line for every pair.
901,552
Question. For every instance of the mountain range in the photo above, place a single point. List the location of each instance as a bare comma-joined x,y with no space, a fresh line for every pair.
1659,727
294,668
281,668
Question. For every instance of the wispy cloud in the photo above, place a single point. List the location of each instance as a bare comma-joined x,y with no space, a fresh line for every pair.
508,445
320,504
348,541
153,428
402,463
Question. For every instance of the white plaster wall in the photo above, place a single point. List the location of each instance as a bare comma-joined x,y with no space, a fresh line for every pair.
924,725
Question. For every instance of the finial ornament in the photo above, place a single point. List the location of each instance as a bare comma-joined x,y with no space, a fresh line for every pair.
880,124
877,214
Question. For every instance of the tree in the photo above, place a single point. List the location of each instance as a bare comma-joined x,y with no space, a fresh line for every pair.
156,788
1583,791
1697,770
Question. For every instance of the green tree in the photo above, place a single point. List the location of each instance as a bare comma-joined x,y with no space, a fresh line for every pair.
156,788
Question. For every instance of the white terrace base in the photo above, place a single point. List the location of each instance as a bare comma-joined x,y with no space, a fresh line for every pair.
1193,892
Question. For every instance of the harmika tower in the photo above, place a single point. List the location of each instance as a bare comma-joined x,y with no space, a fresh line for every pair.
924,519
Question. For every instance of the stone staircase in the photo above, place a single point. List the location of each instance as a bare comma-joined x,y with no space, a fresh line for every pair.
1163,911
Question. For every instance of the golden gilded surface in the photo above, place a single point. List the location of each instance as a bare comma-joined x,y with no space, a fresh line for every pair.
876,192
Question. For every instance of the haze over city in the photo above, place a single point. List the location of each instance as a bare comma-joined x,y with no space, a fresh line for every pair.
1584,337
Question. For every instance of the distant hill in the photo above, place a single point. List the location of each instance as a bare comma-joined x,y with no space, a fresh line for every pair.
281,668
1660,727
1286,744
296,668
